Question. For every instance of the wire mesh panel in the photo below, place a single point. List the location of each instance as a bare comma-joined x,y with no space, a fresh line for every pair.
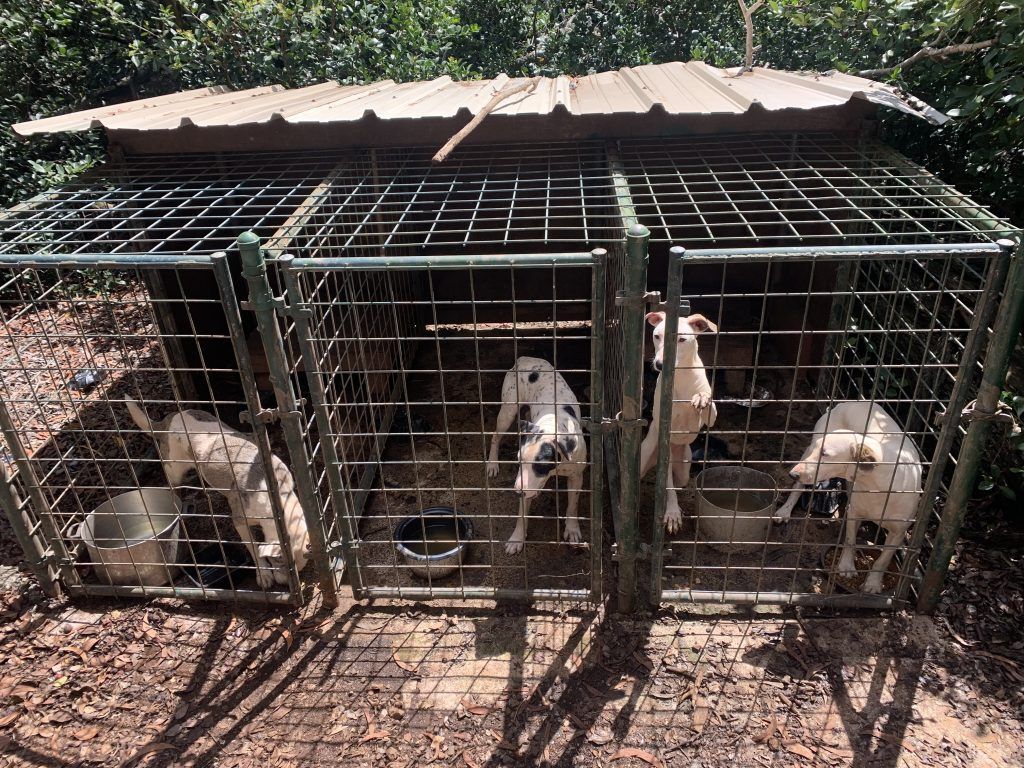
85,342
408,365
853,431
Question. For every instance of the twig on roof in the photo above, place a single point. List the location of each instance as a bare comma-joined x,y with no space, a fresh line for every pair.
748,12
500,96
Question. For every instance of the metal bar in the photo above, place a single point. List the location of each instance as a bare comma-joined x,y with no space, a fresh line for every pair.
104,261
859,600
838,252
666,380
183,593
263,305
1004,337
375,263
637,260
476,593
233,316
597,363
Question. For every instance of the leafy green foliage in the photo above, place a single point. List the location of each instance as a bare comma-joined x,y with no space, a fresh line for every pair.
68,54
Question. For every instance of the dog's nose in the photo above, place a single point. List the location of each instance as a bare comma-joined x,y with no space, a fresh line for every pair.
656,365
794,474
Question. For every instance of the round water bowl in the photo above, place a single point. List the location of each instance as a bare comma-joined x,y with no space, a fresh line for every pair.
133,538
434,543
735,507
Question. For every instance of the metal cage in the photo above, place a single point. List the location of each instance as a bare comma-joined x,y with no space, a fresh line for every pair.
392,296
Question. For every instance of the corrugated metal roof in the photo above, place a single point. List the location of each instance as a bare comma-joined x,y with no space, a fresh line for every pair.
677,88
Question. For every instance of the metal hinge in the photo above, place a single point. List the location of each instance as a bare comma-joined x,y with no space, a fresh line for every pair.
1003,414
281,307
605,426
650,298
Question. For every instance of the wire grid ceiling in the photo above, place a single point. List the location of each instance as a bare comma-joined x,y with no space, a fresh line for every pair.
771,189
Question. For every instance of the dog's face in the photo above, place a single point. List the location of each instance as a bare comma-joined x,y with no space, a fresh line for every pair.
842,453
687,331
540,453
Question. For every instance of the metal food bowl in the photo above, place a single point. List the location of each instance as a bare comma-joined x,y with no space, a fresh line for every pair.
735,507
133,538
434,543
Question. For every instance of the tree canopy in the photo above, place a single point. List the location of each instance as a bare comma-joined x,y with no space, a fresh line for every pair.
62,55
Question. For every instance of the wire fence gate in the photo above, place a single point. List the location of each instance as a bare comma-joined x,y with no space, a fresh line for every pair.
98,496
843,347
407,364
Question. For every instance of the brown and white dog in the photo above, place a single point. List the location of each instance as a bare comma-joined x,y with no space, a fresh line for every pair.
860,442
229,462
552,440
692,406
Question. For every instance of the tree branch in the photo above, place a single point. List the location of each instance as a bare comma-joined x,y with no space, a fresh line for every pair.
500,96
748,12
928,53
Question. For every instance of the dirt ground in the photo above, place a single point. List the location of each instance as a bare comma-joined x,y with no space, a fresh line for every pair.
402,684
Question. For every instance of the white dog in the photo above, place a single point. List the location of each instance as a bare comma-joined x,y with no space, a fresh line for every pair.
552,443
861,443
692,406
229,462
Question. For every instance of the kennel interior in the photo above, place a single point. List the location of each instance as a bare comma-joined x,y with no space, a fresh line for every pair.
418,287
110,289
835,270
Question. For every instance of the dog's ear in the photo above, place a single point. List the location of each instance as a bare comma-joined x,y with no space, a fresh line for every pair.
866,452
566,445
654,318
701,324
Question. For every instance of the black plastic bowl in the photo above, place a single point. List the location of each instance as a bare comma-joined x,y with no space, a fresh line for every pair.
443,527
215,562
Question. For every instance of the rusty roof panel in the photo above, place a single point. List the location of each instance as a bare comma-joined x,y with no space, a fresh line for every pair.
677,88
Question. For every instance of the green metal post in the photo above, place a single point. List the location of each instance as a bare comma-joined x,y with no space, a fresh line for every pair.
233,317
633,304
1004,337
664,405
264,306
596,404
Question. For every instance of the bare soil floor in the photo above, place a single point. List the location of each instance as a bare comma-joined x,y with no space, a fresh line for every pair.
403,684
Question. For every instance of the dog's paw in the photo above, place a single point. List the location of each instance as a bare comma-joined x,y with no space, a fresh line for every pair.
781,516
847,568
513,547
492,469
872,584
572,533
701,400
265,576
673,520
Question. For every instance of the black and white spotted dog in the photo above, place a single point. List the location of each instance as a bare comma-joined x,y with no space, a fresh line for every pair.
552,440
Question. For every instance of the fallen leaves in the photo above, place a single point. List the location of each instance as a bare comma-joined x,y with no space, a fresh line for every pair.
404,664
159,746
600,736
9,717
373,733
639,754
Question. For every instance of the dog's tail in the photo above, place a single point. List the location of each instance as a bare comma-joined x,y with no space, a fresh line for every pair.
139,416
